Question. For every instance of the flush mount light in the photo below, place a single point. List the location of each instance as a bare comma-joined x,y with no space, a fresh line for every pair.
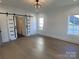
37,4
40,3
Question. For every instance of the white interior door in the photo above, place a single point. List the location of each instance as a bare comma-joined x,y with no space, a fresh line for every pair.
4,28
0,38
31,26
27,26
0,34
12,27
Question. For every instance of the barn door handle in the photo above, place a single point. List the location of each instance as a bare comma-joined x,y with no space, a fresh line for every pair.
0,31
26,26
14,27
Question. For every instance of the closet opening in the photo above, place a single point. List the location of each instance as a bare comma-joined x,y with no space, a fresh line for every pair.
20,26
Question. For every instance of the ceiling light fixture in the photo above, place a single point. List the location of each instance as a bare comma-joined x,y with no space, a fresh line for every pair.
37,4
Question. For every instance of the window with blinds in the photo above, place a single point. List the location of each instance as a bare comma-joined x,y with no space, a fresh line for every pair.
73,25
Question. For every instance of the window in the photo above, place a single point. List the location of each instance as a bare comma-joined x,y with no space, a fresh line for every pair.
73,25
41,23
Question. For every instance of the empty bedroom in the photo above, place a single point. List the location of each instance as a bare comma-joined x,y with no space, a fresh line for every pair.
39,29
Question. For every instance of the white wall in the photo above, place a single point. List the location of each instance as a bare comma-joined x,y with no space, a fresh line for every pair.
56,23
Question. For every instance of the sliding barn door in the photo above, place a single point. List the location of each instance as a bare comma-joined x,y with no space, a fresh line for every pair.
31,26
4,37
27,25
0,33
12,27
0,37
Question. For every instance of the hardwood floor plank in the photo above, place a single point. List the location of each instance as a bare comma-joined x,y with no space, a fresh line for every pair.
39,47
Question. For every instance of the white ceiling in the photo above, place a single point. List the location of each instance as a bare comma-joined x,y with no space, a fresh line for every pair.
27,6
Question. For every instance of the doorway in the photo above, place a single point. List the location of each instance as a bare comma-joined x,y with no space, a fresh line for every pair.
20,24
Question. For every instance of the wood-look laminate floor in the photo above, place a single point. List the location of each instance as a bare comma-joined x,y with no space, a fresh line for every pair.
39,47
